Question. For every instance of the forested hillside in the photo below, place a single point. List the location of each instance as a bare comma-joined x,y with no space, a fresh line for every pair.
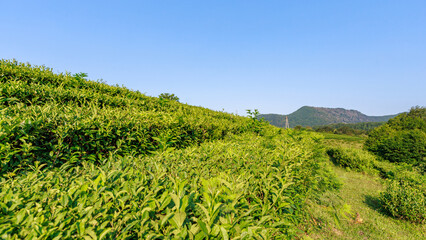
83,159
315,116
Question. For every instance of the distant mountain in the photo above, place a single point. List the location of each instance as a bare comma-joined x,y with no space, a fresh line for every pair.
314,116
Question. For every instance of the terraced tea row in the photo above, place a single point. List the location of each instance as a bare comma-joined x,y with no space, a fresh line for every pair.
247,187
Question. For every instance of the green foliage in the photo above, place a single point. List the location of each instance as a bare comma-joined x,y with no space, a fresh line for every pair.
349,128
407,146
405,195
247,187
400,172
298,127
257,124
414,119
356,159
402,139
82,159
405,201
360,191
55,118
168,96
342,138
80,76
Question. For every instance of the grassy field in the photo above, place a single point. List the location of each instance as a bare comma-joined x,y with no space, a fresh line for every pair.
346,138
354,211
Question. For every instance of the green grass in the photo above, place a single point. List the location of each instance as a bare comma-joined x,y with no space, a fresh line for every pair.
355,211
340,140
368,221
343,137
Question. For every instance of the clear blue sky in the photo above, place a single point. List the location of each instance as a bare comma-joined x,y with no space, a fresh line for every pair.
275,56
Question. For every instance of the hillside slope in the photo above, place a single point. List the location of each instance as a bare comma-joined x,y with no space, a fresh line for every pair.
51,118
84,160
314,116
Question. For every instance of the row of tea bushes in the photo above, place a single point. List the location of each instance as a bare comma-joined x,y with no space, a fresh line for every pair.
31,85
244,187
54,134
356,159
54,118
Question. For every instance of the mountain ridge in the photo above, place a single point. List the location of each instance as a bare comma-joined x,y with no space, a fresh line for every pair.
308,116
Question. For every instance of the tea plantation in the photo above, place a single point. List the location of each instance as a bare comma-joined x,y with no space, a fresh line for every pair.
81,159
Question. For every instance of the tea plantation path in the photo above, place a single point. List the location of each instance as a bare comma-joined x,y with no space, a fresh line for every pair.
360,191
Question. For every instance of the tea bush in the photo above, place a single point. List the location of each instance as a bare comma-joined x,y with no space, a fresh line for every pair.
54,118
82,159
405,200
356,159
400,172
230,189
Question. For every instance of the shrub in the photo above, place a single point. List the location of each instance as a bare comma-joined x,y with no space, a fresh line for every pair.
407,146
237,188
401,139
405,201
414,119
256,124
352,158
169,96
